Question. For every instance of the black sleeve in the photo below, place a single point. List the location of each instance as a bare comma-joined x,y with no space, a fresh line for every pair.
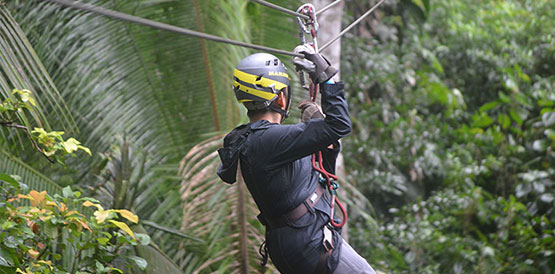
288,143
330,156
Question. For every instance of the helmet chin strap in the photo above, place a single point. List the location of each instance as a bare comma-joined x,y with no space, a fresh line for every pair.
284,112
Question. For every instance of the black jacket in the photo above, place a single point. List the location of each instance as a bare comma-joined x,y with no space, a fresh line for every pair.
277,168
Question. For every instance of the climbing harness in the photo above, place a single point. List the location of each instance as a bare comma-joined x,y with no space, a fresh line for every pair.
288,218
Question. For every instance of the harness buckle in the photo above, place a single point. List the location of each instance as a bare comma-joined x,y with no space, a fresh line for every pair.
328,239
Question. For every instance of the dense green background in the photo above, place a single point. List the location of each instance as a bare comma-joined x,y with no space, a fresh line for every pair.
450,165
454,131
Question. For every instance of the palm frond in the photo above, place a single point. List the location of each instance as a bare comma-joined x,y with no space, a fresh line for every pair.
224,216
153,87
10,164
21,68
221,215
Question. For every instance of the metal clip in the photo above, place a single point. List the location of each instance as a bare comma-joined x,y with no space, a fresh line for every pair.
308,27
310,11
328,239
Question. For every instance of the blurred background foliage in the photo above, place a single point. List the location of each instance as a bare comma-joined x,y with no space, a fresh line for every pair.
450,163
454,131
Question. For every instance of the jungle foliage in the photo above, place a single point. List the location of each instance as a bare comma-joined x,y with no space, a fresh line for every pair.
141,99
454,131
452,103
45,233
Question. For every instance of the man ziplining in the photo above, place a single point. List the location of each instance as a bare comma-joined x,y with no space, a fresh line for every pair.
302,236
277,167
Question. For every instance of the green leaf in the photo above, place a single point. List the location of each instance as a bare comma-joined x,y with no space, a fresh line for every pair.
523,76
70,145
550,133
548,118
546,103
545,110
482,120
142,238
140,262
67,192
504,120
6,258
8,224
489,106
123,226
12,241
50,230
515,116
100,268
102,240
7,178
504,98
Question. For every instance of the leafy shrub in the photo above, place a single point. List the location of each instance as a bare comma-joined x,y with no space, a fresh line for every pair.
42,233
453,138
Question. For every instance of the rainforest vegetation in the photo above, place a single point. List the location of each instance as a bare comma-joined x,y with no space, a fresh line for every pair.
109,131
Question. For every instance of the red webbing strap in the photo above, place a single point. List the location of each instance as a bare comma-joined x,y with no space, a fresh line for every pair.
311,26
332,186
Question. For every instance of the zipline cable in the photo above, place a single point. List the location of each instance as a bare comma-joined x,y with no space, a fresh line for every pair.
351,25
327,7
162,26
282,9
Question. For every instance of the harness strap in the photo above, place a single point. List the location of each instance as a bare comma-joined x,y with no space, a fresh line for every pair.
296,213
322,265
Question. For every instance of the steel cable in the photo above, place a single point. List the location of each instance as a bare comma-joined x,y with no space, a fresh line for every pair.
162,26
282,9
328,7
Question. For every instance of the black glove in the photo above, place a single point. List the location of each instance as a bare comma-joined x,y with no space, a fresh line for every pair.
318,68
310,110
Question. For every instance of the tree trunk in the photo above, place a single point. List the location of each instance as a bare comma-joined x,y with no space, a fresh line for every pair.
330,26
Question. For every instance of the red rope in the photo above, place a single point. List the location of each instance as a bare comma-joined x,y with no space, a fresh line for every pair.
313,91
319,166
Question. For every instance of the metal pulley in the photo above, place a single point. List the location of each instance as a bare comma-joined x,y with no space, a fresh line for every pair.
307,26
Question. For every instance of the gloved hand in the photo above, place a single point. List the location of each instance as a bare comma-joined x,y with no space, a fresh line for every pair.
310,110
318,68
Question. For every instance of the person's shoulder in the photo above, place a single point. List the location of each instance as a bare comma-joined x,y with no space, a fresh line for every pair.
232,136
261,125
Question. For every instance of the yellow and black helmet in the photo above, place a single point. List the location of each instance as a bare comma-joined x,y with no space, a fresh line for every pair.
258,79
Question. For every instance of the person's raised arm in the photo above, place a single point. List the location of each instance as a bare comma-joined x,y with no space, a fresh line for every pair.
292,142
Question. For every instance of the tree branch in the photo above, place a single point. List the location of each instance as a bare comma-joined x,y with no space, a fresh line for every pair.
24,128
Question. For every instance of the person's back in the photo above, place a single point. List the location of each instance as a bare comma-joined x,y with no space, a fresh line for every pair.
276,165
